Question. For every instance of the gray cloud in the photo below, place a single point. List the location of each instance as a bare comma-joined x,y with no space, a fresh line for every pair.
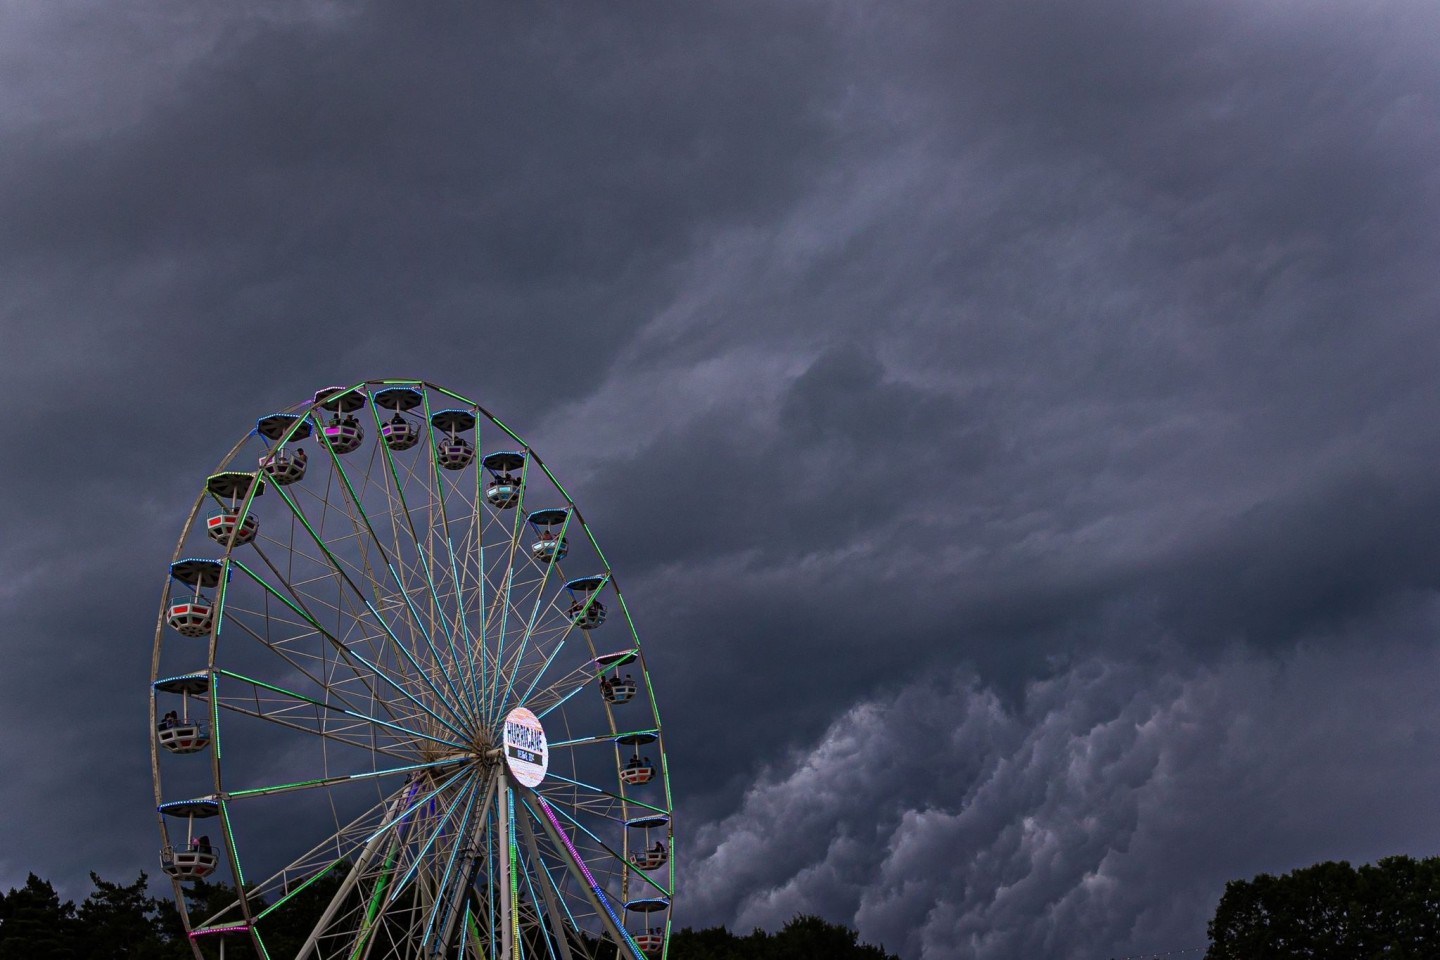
1099,815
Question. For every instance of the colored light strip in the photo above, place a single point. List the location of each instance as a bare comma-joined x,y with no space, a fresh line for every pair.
606,737
551,775
233,928
340,571
349,713
514,854
365,775
429,573
289,896
590,877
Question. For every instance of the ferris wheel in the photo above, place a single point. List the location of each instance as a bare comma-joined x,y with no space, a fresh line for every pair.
399,703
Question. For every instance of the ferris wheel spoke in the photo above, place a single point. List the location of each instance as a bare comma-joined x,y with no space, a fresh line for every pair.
500,609
602,738
540,924
453,900
293,659
364,520
551,698
438,484
414,803
599,845
300,698
297,597
462,703
579,871
599,791
602,849
549,892
313,865
576,679
273,789
384,908
475,545
556,635
354,590
340,621
365,742
465,796
349,654
477,661
545,920
396,809
501,603
396,498
540,597
529,672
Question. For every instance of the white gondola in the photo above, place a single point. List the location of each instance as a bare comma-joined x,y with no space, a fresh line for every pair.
191,864
652,940
549,547
197,858
192,616
504,489
454,453
637,772
503,492
618,690
344,434
282,468
233,489
587,617
586,611
176,732
649,859
227,523
187,736
399,433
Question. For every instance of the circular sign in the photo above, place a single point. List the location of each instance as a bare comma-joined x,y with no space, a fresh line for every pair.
525,750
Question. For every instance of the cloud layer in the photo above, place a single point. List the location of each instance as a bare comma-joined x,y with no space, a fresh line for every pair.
1099,814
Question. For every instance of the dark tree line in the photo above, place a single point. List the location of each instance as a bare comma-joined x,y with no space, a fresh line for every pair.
803,938
116,922
1389,910
123,922
1332,911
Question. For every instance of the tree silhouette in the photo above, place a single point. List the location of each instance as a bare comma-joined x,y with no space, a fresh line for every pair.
35,925
123,922
1332,911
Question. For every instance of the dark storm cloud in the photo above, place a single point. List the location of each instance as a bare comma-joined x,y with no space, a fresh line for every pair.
1112,802
503,175
301,196
1080,342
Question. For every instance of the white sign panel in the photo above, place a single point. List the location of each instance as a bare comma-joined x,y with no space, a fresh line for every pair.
525,750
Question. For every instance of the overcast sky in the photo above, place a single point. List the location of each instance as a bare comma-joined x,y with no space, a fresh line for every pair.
1014,424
